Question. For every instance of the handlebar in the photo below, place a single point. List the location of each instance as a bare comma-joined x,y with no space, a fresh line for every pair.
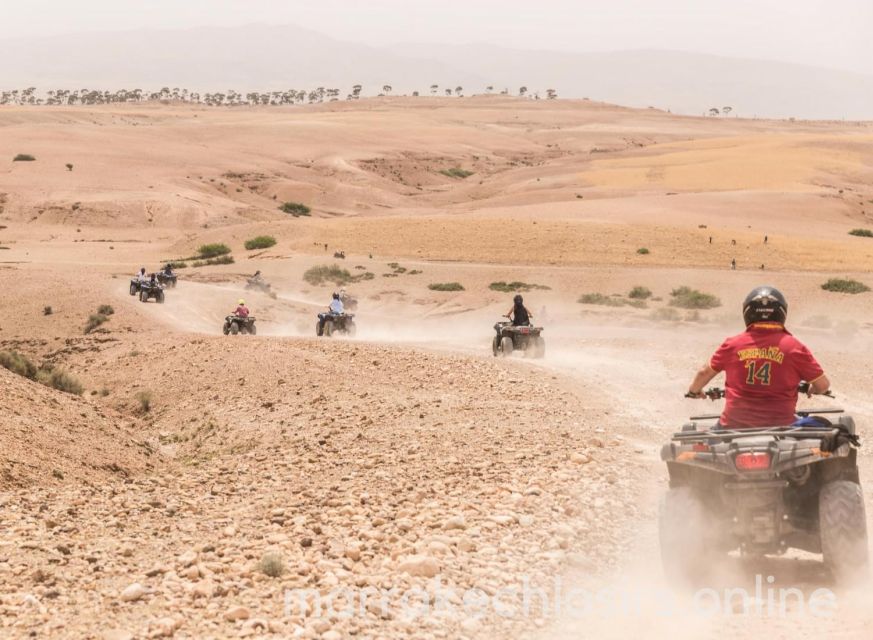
717,393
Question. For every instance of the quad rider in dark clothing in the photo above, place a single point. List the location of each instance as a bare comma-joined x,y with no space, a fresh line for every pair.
519,315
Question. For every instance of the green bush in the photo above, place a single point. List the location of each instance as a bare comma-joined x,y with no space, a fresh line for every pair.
23,157
260,242
271,564
94,321
105,309
640,293
212,261
864,233
643,251
845,285
212,250
688,298
60,380
456,172
445,286
323,274
600,299
177,264
18,363
47,311
515,286
145,400
296,209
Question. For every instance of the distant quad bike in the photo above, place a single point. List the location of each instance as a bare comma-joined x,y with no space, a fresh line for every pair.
335,323
258,284
762,491
235,324
167,279
526,338
148,290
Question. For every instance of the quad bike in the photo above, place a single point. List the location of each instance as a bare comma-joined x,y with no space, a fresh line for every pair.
135,284
236,324
151,290
762,491
340,255
335,323
509,338
167,279
259,285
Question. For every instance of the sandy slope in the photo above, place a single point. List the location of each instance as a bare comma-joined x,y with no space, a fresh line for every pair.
375,462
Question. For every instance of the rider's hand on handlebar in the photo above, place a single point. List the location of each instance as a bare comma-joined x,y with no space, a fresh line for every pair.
697,395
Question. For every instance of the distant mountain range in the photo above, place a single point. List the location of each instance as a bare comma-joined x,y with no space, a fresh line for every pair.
259,57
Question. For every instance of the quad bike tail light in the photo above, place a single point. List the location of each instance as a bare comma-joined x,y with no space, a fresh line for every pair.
753,461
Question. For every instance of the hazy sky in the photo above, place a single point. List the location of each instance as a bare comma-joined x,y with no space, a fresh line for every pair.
832,33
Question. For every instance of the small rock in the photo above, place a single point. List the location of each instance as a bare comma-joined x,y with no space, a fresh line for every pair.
237,613
418,565
133,592
455,522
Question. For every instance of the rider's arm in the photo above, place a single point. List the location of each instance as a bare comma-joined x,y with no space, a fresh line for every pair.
819,386
701,379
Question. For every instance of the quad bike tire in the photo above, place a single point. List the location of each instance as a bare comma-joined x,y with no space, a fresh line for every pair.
132,289
319,330
143,296
351,329
225,329
506,346
159,297
843,530
252,330
328,329
539,347
495,346
682,536
234,328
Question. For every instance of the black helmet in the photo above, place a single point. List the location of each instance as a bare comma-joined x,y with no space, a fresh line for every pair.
518,299
765,304
336,296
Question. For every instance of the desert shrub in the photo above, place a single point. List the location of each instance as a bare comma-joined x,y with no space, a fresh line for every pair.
456,172
600,299
60,380
271,564
144,398
323,274
105,309
69,166
640,293
177,264
295,209
23,157
94,321
636,303
515,286
845,285
18,363
212,250
396,268
47,310
666,314
643,251
688,298
260,242
864,233
445,286
212,261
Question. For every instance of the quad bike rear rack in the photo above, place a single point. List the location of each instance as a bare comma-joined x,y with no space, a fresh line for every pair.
728,435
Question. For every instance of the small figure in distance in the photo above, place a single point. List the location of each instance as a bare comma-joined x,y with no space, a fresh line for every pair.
733,264
242,311
518,314
766,239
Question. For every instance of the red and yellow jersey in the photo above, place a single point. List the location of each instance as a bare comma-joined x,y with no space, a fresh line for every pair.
763,367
